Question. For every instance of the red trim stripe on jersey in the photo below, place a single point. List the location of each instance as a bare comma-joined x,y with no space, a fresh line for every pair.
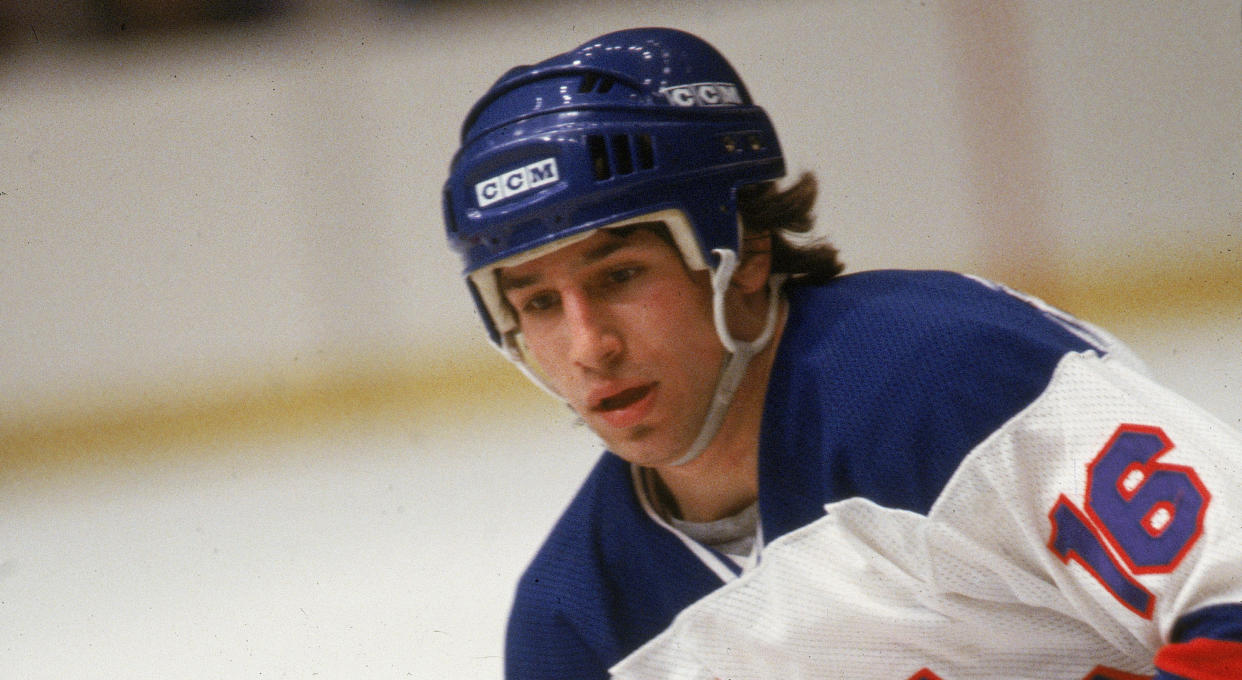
1106,673
1202,659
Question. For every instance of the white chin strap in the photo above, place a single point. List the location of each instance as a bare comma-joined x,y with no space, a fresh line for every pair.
738,354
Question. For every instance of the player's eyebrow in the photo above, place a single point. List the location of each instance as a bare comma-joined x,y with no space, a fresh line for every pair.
618,241
509,282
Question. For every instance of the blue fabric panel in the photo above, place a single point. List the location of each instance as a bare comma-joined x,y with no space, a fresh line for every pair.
885,380
1218,622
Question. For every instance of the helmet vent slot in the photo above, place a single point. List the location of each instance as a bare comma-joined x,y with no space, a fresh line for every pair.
449,219
598,150
594,82
619,154
644,152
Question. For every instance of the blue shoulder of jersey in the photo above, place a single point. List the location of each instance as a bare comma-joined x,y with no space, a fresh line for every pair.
884,381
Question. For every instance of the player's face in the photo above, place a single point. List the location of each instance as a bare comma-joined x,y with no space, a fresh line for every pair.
622,330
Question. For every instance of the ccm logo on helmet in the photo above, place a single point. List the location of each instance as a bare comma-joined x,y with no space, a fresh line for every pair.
702,94
517,181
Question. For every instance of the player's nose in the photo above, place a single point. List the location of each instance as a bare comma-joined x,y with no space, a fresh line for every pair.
594,341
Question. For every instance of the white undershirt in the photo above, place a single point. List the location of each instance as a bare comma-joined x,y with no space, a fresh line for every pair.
734,536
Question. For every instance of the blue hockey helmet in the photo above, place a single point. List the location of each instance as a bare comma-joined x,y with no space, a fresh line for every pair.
636,122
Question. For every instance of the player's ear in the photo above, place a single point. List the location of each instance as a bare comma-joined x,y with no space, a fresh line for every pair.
756,263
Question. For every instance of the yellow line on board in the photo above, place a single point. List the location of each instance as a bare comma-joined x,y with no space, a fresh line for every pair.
152,428
1104,293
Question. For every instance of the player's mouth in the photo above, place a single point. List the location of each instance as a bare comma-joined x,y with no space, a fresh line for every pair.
626,407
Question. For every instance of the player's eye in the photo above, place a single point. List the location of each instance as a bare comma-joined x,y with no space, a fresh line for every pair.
539,302
623,274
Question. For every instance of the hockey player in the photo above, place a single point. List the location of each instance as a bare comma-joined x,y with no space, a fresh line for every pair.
897,475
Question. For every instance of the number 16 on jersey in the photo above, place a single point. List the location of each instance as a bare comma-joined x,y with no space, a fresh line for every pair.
1140,516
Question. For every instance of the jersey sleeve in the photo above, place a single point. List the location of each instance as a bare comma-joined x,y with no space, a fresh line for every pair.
1148,531
542,645
1095,536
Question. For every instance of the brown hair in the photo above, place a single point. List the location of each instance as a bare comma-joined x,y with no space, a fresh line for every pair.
786,215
